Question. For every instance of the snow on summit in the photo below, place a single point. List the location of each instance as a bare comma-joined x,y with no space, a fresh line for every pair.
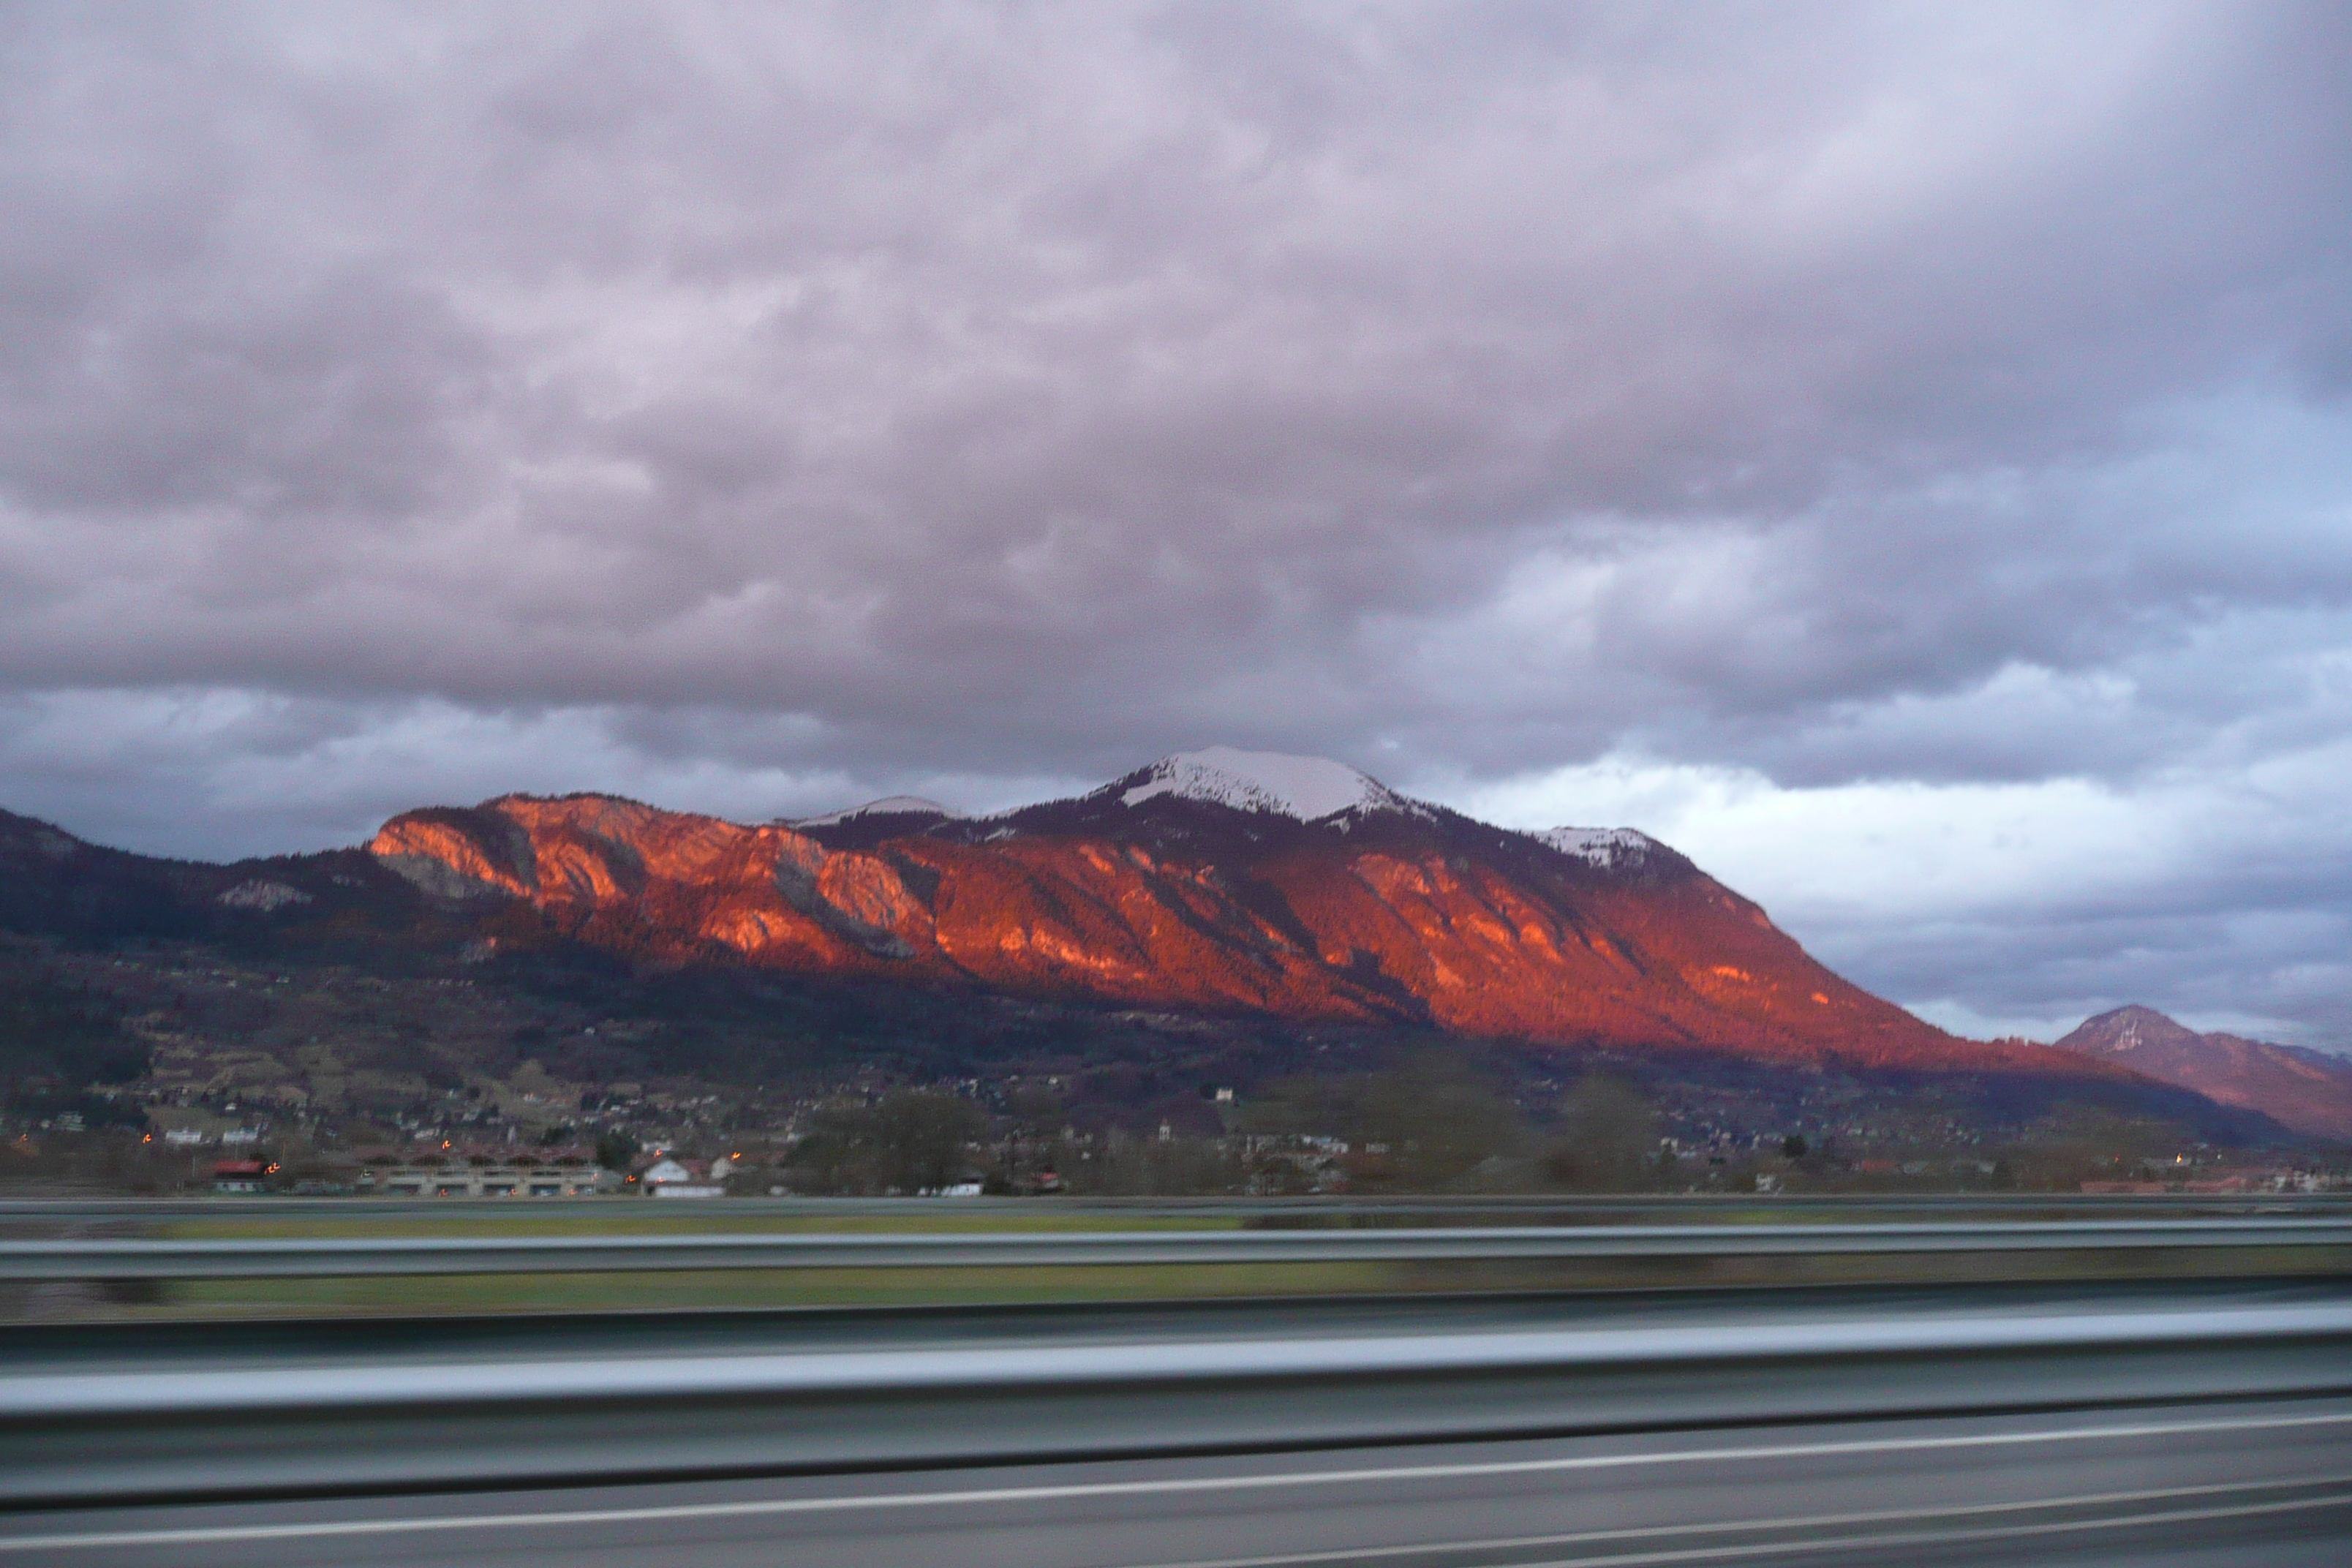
890,805
1601,846
1308,788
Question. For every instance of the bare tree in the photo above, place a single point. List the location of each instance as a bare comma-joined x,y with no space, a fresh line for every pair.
1608,1137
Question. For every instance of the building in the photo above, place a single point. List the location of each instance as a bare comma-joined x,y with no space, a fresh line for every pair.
241,1176
470,1181
670,1178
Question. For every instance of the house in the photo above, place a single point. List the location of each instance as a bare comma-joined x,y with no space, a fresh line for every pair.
241,1176
671,1178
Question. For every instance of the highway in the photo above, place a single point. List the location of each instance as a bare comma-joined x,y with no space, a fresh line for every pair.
2245,1484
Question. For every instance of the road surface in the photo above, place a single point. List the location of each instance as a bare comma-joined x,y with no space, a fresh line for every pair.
2239,1484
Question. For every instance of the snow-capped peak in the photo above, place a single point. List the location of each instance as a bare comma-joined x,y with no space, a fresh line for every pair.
888,806
1602,846
1308,788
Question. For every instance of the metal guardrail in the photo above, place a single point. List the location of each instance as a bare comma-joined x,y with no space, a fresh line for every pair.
186,1425
274,1258
1075,1367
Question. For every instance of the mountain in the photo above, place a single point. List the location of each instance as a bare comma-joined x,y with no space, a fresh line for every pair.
1213,881
2308,1091
54,884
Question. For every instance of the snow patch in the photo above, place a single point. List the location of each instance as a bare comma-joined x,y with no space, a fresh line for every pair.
888,806
1602,846
1308,788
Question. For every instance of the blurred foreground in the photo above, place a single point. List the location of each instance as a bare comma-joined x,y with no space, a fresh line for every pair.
144,1261
2172,1424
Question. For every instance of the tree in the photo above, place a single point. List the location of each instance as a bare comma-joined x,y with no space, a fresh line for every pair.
1440,1124
56,1039
1608,1137
616,1149
1429,1124
910,1141
920,1136
2077,1143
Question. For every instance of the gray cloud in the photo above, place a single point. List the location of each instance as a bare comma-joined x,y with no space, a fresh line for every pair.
756,407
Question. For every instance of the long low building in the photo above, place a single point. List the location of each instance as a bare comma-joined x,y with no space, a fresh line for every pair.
488,1180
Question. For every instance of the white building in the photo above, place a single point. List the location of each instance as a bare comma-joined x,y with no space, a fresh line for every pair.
668,1178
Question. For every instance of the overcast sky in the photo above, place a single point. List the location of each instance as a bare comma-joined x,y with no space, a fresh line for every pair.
1900,454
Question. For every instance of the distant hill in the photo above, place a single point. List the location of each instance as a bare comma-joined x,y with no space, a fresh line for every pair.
54,884
2309,1091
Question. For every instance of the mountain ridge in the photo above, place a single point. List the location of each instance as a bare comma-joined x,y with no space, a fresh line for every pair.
1218,880
2309,1091
1383,913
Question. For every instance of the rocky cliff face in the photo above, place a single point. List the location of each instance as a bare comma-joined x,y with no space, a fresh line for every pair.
2308,1091
1216,880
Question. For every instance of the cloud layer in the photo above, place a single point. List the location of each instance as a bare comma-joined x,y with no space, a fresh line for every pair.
1903,452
